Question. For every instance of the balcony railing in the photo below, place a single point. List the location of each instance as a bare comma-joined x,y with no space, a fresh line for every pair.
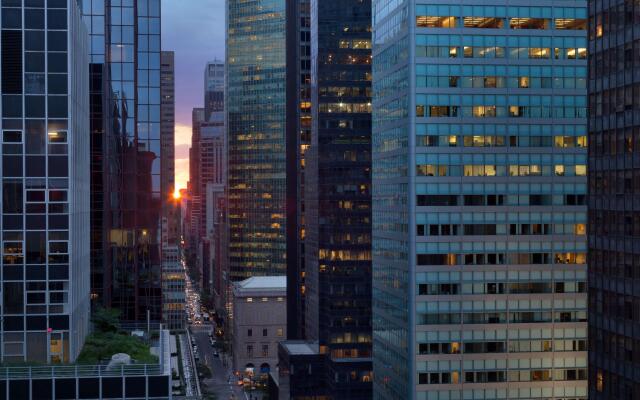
97,370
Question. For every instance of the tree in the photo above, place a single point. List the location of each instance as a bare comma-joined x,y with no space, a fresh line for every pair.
106,320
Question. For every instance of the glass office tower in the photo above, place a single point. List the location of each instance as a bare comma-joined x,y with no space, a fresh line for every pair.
614,198
255,109
479,184
338,196
45,182
125,146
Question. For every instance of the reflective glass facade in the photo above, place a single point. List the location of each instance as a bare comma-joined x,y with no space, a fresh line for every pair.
126,185
479,200
45,182
338,196
256,137
614,199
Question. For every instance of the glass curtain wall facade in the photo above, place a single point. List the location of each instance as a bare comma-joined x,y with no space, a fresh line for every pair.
125,57
338,197
479,212
45,182
256,73
213,88
298,127
170,217
614,182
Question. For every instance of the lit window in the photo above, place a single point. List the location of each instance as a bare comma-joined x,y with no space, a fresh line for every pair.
581,170
559,170
435,22
265,299
280,332
523,82
529,23
483,22
249,299
599,381
571,23
280,299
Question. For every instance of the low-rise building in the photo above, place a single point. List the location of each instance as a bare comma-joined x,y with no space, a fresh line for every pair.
259,323
173,285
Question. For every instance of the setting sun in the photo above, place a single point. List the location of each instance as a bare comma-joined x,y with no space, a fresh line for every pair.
176,194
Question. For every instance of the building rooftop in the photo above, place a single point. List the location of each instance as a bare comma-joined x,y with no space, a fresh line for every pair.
263,282
300,347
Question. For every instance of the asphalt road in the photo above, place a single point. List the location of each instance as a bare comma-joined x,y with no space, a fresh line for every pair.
219,382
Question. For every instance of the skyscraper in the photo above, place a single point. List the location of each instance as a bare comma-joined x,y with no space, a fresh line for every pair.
170,215
125,146
614,179
338,196
45,182
256,73
479,216
298,127
194,186
213,88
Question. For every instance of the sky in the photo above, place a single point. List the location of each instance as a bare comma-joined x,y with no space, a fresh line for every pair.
194,29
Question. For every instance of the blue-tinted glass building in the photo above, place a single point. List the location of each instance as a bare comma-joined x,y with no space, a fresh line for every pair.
126,197
479,184
45,182
257,146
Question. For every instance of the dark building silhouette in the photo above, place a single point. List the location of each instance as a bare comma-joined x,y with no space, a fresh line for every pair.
614,200
338,196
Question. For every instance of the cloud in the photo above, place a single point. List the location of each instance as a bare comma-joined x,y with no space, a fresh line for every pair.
182,134
182,151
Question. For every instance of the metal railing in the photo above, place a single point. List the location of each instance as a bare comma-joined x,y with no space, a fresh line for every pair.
61,371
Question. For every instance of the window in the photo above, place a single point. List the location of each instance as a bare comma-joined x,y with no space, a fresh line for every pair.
249,350
529,23
265,350
280,332
249,332
249,299
435,22
12,137
483,22
266,298
571,23
57,137
265,332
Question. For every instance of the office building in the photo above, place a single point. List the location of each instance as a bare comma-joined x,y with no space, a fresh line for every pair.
213,88
338,196
298,128
300,372
45,182
194,211
614,179
173,286
96,382
479,213
167,143
257,165
126,156
259,324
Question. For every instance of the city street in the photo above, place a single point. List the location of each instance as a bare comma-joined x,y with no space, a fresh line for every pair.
220,383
